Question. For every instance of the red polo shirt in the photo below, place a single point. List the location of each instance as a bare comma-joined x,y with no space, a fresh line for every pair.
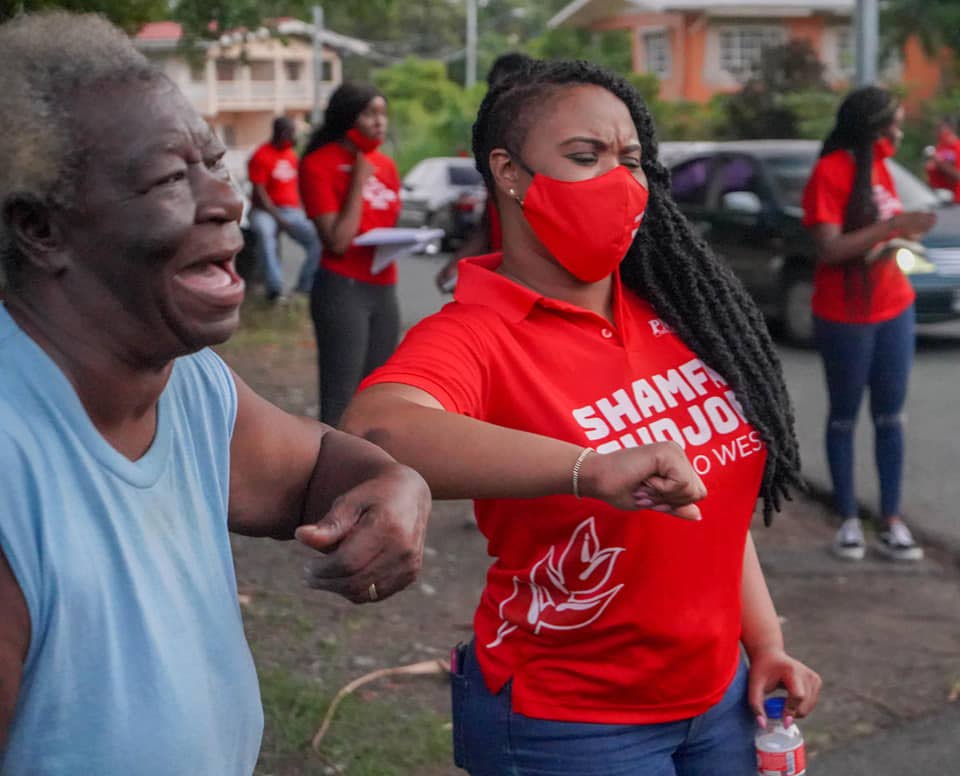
598,615
276,170
324,182
947,152
843,296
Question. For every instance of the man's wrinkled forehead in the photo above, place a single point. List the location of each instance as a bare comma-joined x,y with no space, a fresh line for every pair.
128,119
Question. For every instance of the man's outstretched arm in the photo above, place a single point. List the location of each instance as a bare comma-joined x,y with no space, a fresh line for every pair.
337,493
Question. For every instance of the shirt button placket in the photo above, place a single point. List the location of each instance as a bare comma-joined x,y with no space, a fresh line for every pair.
606,333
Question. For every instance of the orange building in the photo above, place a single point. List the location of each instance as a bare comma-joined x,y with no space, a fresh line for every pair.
699,49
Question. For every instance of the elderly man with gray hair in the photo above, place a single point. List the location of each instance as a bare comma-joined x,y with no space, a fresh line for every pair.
128,449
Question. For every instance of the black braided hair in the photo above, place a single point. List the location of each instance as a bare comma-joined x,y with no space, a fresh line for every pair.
346,103
670,267
507,66
863,116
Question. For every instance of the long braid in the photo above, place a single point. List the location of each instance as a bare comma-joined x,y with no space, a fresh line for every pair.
670,267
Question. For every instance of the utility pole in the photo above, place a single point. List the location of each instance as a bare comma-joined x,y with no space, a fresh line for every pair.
317,64
471,77
867,32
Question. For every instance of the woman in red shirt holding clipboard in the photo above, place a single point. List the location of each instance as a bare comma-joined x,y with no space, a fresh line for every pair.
349,188
863,305
585,388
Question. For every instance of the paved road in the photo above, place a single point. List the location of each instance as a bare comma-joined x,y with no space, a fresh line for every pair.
419,296
926,747
932,475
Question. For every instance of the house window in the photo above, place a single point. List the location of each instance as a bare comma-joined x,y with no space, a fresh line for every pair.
198,71
226,70
326,70
740,47
656,47
262,70
293,69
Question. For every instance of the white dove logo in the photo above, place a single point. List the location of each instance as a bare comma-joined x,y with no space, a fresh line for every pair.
566,592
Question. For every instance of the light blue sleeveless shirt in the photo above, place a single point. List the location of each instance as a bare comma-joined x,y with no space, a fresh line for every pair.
138,664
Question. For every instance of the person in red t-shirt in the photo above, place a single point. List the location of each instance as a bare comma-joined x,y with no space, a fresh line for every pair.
272,171
608,394
488,235
349,188
863,306
943,166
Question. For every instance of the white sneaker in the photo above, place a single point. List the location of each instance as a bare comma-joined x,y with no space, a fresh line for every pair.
849,543
897,543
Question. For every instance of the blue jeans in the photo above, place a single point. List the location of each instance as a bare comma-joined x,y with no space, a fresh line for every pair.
490,739
302,231
857,355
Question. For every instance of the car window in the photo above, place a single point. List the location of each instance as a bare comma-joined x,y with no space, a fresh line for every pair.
461,175
738,173
790,174
688,182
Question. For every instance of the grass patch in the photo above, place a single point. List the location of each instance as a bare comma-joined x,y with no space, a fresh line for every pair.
367,738
262,323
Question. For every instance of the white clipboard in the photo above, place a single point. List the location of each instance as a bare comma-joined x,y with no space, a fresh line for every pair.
393,243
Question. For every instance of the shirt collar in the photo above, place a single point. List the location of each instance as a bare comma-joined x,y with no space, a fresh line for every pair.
479,283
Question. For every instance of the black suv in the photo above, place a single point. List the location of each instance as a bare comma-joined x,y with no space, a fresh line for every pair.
744,197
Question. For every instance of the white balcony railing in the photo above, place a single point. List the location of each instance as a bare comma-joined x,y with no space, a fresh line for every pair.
229,91
263,91
296,91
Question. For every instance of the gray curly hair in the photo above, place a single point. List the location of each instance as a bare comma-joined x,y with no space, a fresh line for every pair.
46,59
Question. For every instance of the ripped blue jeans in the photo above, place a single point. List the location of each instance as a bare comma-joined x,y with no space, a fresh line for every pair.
855,356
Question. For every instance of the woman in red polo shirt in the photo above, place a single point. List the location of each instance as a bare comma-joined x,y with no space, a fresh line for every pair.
863,306
349,188
586,405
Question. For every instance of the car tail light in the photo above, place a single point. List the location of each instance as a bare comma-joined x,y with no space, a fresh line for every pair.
466,204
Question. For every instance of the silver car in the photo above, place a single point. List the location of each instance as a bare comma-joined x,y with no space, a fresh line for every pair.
443,192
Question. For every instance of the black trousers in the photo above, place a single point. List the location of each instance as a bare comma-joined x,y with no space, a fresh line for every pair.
357,325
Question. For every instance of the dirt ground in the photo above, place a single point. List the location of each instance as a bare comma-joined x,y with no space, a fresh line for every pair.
886,639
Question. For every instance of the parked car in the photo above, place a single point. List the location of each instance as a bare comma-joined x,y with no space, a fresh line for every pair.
444,192
744,199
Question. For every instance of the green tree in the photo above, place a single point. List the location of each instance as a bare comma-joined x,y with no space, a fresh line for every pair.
609,48
430,115
936,23
127,14
784,80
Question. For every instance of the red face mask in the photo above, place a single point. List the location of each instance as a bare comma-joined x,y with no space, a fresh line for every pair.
884,148
587,225
365,143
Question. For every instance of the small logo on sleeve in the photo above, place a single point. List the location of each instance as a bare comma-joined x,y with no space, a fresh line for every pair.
659,328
